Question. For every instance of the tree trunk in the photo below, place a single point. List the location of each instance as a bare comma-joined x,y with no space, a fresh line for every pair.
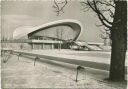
119,42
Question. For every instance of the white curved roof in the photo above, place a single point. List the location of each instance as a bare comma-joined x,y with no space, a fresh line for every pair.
23,31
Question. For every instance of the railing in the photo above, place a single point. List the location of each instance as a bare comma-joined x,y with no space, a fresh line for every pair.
37,57
90,64
79,63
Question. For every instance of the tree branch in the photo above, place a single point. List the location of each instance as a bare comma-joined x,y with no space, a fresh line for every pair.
95,9
61,7
99,12
106,3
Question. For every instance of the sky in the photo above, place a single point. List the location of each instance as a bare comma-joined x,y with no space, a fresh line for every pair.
33,13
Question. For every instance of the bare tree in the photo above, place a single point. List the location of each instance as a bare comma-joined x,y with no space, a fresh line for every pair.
105,35
117,24
59,35
113,15
59,6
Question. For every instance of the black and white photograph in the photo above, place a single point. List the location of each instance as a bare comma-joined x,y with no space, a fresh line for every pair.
63,44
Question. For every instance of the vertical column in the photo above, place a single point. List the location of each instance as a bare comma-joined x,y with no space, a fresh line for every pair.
32,45
42,45
52,46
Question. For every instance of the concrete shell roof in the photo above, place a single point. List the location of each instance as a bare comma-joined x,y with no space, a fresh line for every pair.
23,31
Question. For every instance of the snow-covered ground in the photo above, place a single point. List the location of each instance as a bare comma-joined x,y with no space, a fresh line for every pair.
94,56
52,74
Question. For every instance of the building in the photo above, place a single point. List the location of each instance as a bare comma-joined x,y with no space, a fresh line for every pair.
57,34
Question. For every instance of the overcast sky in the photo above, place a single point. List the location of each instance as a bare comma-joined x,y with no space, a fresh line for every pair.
33,13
